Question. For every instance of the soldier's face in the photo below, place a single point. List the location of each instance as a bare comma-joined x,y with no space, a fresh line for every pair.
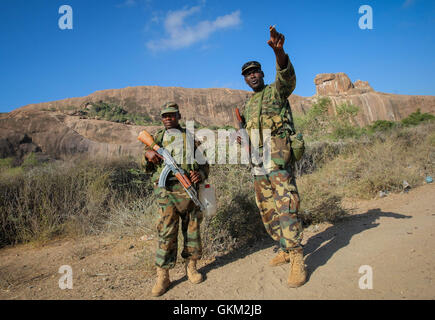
254,79
170,120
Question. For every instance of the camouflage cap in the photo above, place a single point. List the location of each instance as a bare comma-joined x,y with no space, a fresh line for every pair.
169,107
250,65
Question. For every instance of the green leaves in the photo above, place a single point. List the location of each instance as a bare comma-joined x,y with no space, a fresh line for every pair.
416,118
112,112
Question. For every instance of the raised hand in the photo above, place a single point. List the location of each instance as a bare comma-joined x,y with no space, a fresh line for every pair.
276,41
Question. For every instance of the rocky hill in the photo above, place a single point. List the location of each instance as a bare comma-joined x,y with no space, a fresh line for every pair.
373,105
58,129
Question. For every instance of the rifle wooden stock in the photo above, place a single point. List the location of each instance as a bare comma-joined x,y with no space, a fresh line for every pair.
148,140
239,118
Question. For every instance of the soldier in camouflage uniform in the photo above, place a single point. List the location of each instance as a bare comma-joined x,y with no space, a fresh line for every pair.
275,186
174,203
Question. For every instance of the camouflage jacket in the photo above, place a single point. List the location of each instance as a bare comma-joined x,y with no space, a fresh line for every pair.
269,108
178,152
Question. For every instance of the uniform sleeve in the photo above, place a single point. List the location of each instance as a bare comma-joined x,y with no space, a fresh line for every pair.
285,81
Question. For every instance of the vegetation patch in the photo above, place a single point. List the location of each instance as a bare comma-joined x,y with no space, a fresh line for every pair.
113,112
319,125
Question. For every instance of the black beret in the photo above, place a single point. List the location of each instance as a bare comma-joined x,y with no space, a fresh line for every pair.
250,65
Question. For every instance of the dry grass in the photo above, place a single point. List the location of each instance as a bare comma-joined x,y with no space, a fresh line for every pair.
382,164
74,197
81,197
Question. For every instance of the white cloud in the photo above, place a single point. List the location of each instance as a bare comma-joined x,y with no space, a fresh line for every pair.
182,35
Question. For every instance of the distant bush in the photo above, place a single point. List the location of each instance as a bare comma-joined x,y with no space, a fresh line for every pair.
318,124
382,125
112,112
315,122
416,118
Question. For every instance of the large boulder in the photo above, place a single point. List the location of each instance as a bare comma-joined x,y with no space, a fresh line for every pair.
332,83
364,85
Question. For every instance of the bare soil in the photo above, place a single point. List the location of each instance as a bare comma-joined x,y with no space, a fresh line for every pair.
392,235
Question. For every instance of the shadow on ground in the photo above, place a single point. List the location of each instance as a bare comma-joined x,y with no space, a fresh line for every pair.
338,236
316,255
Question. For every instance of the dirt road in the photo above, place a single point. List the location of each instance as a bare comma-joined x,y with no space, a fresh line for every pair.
394,236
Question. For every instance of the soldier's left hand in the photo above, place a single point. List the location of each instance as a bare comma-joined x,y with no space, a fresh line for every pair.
195,177
276,41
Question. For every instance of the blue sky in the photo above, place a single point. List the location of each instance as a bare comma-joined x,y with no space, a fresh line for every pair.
202,44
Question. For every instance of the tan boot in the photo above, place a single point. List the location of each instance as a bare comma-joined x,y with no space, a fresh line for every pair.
162,282
192,274
281,258
298,273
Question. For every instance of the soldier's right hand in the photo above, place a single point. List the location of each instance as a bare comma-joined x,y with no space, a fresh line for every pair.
153,156
276,41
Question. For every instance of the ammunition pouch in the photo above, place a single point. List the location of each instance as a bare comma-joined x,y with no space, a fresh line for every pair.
297,146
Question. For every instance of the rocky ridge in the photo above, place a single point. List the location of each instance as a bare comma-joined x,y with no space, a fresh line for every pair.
56,128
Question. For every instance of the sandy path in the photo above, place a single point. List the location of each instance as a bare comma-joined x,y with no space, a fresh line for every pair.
392,235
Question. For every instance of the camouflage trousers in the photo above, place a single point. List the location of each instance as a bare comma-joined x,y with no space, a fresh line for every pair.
175,204
278,200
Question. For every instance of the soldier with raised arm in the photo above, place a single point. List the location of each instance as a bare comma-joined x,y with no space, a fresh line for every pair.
274,182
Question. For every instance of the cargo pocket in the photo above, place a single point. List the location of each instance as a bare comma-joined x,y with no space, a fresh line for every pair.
273,123
280,151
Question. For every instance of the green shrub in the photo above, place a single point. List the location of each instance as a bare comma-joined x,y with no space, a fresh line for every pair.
382,125
113,112
347,112
315,122
30,161
416,118
318,124
342,130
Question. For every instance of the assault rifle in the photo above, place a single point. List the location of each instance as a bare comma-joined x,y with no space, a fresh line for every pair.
171,166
